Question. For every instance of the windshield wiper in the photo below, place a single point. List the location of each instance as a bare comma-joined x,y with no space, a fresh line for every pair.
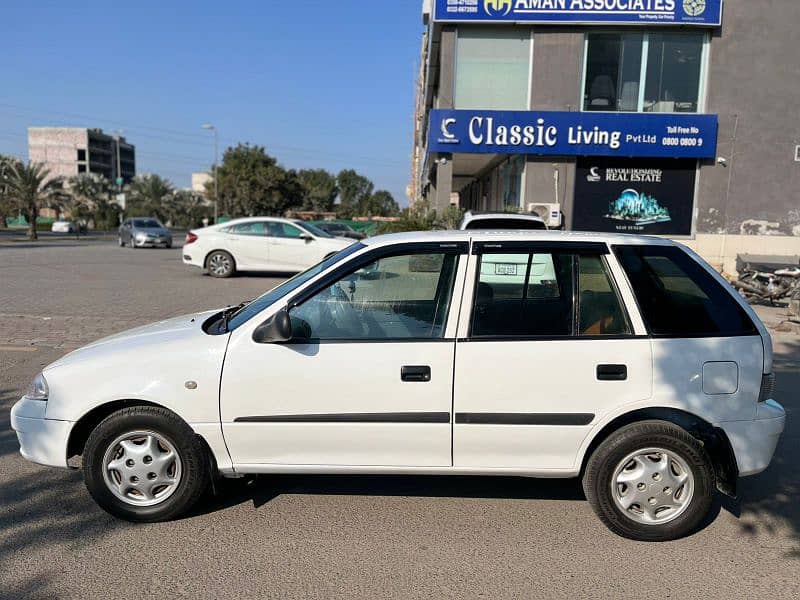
229,312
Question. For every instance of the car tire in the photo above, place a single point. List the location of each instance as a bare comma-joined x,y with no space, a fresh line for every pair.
220,264
116,465
132,243
650,481
121,243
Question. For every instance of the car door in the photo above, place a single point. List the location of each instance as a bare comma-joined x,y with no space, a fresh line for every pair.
548,350
291,248
249,243
371,382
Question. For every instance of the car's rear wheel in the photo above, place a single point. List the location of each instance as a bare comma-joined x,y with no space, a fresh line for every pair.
650,481
145,464
220,264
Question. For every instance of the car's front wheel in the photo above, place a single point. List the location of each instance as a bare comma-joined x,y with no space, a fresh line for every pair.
145,464
650,481
220,264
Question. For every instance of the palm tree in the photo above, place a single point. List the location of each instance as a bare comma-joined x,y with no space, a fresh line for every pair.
30,187
89,196
150,195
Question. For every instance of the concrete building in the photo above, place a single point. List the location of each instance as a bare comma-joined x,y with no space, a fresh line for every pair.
69,151
669,117
199,181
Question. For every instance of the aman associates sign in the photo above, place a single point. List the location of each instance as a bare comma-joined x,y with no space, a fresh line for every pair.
573,133
707,13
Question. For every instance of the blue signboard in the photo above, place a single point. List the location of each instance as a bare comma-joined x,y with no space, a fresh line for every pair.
665,135
706,13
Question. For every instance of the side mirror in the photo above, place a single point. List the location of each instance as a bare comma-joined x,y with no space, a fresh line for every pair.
275,330
306,237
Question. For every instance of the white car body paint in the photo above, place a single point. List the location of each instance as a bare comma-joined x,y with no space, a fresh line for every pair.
260,252
153,364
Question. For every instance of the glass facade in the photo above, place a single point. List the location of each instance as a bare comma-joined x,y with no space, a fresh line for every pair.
644,72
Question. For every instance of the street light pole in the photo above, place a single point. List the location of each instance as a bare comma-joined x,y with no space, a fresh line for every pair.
216,160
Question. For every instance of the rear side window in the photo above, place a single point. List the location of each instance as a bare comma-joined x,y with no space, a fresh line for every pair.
678,297
532,294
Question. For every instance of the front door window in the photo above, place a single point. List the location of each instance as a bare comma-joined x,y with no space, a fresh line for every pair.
396,297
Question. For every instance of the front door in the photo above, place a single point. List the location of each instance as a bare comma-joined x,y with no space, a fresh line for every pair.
370,384
291,248
548,350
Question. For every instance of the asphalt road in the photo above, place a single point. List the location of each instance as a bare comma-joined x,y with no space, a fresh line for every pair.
339,537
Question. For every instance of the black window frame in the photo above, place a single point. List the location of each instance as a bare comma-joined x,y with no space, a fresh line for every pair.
716,287
576,250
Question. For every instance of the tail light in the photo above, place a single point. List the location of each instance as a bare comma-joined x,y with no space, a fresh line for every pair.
190,238
767,387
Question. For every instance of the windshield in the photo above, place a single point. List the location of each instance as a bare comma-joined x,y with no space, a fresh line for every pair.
287,287
314,229
147,224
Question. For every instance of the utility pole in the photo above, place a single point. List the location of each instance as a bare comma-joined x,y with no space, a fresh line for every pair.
213,129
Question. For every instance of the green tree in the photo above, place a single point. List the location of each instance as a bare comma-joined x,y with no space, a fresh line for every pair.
29,188
251,182
187,209
150,195
6,204
355,192
90,200
319,189
381,204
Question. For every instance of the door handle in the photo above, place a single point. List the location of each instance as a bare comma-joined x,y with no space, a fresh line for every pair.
415,374
612,372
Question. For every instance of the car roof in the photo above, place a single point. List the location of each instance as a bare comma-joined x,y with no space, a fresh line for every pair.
513,236
490,216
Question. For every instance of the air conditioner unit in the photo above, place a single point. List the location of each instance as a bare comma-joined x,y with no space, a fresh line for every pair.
549,213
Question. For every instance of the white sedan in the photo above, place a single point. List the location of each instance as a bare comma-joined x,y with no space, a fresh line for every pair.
259,244
637,367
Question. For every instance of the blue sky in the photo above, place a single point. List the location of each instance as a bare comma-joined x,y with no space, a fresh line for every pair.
319,83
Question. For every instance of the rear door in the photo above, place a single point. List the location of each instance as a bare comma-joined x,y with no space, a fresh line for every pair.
546,350
250,244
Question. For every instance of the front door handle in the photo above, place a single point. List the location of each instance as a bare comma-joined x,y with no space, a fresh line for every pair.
612,372
418,374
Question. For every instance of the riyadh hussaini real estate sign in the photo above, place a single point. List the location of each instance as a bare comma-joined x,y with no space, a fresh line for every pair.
706,13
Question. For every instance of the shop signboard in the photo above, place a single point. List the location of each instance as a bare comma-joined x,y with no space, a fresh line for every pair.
705,13
553,133
644,196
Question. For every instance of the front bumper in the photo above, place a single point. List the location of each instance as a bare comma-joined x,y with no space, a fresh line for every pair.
151,243
754,442
41,440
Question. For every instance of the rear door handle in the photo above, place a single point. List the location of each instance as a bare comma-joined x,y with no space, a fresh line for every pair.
420,374
612,372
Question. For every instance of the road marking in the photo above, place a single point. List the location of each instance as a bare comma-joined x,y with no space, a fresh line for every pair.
18,349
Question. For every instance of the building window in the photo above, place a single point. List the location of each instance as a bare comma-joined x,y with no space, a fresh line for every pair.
82,154
81,168
492,68
644,72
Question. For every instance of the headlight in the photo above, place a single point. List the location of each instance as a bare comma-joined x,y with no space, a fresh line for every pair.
38,389
141,236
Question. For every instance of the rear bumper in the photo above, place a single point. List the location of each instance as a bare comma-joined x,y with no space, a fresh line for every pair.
754,442
41,440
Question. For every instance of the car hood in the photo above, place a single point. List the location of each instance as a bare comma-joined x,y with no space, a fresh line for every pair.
151,230
180,328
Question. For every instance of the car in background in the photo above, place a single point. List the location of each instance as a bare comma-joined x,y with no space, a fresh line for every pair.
259,244
505,271
143,232
501,222
64,227
341,230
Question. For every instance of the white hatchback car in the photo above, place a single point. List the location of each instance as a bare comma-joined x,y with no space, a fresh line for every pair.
635,366
259,244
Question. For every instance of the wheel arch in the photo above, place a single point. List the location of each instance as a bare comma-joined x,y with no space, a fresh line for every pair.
83,428
714,439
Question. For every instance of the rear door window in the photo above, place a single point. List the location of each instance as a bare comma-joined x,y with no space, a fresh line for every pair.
678,297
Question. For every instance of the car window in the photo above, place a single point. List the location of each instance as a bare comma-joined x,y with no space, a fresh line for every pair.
678,297
147,223
600,309
315,230
524,294
284,230
397,297
287,287
252,228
